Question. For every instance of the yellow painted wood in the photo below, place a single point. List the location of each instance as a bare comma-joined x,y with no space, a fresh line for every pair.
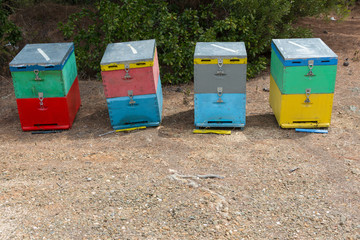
291,111
225,61
116,66
130,129
214,131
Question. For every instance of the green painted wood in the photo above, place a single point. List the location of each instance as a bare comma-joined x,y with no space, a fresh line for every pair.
69,73
52,83
292,80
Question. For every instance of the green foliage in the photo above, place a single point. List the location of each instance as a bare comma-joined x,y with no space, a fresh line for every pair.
178,26
9,33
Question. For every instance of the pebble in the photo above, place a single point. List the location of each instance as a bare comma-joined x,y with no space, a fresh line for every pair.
352,108
355,171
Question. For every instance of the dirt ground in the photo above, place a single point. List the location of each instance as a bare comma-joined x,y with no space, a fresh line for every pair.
144,184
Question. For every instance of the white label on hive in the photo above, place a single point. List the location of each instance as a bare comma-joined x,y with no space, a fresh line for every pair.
297,45
132,49
224,48
43,54
303,50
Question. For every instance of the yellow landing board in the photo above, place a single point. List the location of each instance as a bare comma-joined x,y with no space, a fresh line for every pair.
225,61
214,131
291,110
130,129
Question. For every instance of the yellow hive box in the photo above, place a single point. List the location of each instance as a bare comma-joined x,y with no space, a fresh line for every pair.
300,110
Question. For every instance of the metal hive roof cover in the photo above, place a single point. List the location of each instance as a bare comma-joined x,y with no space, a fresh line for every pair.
127,52
297,48
42,54
220,49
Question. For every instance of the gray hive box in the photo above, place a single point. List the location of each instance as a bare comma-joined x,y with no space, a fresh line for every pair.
220,64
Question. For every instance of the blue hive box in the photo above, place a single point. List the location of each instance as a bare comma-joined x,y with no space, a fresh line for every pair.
136,111
215,111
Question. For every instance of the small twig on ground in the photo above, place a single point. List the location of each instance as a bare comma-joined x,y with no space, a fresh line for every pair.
293,170
4,97
210,176
220,204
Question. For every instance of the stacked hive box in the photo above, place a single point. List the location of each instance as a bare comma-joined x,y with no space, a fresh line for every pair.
46,86
132,85
220,84
302,82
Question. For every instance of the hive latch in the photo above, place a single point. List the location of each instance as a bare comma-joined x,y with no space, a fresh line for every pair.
127,75
220,93
310,65
220,71
41,99
307,93
131,95
37,78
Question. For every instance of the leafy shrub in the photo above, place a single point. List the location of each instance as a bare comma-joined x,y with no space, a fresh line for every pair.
178,26
9,33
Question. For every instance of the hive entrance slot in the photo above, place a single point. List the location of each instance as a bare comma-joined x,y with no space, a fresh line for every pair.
49,67
138,122
205,60
325,61
21,67
112,66
296,62
48,124
305,122
221,122
141,63
234,60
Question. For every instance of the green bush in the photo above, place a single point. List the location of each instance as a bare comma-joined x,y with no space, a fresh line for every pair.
9,33
178,26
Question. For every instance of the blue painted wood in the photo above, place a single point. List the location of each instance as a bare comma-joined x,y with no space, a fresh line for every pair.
146,111
231,112
311,130
30,59
304,61
159,95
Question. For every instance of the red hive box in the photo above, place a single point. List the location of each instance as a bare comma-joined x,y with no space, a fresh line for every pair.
50,113
142,75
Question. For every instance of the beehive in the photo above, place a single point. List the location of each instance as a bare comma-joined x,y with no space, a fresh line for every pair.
132,86
303,74
220,84
46,86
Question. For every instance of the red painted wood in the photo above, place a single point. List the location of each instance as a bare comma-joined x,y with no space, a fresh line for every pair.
56,113
144,81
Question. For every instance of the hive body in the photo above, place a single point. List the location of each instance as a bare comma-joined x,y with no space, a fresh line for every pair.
302,82
46,86
132,85
220,84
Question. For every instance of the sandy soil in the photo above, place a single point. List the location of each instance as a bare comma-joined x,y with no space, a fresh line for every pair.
144,184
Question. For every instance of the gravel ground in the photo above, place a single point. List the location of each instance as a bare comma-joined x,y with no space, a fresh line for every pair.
273,183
